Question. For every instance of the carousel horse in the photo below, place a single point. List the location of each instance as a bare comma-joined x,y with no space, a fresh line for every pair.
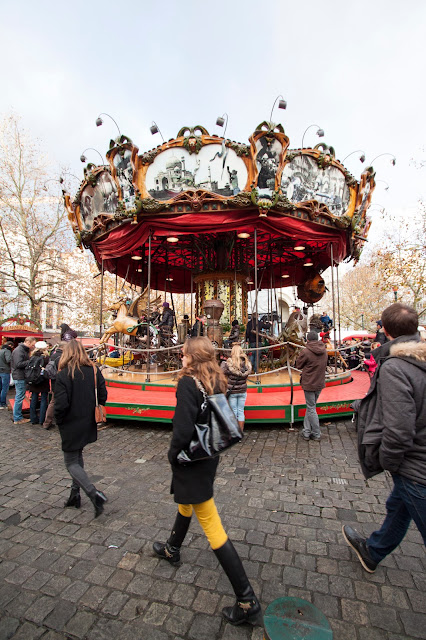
293,332
126,322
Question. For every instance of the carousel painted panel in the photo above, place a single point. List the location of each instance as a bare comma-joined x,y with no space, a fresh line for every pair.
215,168
124,171
98,199
302,179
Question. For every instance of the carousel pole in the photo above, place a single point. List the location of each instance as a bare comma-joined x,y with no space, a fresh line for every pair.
102,299
148,333
256,305
338,303
334,306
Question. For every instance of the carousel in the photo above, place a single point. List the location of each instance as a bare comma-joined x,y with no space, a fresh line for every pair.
204,225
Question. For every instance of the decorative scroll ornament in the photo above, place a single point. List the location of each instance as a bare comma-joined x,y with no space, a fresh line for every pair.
242,150
193,142
149,156
264,203
241,200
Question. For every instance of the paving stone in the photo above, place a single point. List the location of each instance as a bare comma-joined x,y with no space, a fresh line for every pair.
105,629
28,631
353,611
384,617
205,602
184,594
205,628
179,620
366,591
414,624
93,597
61,613
17,607
394,597
20,575
327,604
8,627
80,624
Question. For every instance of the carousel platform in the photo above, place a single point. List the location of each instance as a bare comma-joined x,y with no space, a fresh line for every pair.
130,397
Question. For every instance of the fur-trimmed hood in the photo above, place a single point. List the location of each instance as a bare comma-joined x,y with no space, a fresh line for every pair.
411,349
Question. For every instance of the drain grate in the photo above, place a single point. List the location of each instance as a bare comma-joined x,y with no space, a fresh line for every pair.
339,481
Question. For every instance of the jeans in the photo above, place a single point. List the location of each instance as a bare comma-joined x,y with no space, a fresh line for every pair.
237,402
311,425
4,386
406,502
75,467
20,387
254,355
43,406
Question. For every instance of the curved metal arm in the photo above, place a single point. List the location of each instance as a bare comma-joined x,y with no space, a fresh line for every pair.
83,157
282,105
393,161
361,158
99,121
220,121
320,132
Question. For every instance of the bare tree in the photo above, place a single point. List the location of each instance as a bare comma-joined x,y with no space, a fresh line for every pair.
33,228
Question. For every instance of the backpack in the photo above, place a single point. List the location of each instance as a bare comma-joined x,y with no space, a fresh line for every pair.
32,372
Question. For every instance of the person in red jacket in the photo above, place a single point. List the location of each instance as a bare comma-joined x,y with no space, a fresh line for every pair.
313,362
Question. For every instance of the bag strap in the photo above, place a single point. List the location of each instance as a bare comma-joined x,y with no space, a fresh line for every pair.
203,391
96,386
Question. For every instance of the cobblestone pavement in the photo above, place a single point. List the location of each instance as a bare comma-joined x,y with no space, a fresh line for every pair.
282,500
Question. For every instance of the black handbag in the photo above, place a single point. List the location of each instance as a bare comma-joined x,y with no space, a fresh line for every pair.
215,431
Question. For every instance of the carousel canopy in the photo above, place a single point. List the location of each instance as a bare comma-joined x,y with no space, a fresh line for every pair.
199,204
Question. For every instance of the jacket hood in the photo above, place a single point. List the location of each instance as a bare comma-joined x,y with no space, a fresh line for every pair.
242,370
384,350
412,349
316,347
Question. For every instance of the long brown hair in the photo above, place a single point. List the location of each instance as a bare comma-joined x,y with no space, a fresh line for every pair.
74,357
203,364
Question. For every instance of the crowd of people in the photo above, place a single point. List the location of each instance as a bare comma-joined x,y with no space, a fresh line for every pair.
395,405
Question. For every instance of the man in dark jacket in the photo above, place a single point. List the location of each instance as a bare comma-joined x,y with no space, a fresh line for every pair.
198,327
380,333
400,410
20,357
5,360
253,329
313,363
166,324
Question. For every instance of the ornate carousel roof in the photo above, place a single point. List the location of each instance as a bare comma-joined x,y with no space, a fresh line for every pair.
203,203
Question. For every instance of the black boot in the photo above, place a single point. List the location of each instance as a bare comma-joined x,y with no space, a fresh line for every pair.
98,499
171,549
247,607
74,500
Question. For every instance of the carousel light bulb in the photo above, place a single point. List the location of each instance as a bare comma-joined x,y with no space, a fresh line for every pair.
250,282
285,275
309,263
139,270
299,247
172,239
243,235
136,257
169,279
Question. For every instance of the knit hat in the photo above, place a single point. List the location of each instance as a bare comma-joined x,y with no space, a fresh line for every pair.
165,304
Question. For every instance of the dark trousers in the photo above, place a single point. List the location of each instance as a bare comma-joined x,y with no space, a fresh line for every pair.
75,467
406,502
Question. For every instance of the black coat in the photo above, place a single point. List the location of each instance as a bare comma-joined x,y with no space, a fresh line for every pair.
192,483
20,357
75,406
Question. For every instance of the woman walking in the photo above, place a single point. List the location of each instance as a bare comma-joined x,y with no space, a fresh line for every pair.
75,417
237,368
192,483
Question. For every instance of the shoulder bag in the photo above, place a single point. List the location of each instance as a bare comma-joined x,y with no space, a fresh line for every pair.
100,410
215,431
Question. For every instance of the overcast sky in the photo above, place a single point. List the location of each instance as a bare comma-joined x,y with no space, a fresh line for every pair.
356,69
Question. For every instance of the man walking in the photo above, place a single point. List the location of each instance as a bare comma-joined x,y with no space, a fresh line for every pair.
313,362
253,337
399,419
5,359
20,357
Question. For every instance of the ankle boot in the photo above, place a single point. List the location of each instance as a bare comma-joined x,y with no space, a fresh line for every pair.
74,500
247,607
171,549
241,424
98,499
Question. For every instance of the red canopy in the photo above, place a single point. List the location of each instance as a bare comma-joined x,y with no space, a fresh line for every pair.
277,235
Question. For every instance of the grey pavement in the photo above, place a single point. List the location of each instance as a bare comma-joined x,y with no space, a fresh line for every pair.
65,575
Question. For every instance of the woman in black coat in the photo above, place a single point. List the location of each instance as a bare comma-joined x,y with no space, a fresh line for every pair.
192,483
75,417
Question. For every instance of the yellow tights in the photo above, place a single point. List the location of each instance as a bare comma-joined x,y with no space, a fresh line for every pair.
209,520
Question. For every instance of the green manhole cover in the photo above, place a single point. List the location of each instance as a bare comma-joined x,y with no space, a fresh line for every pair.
294,619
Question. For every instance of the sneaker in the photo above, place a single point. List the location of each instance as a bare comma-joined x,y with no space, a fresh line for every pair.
23,421
360,547
317,438
305,437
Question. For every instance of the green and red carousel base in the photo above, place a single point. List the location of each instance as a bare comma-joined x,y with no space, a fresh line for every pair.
266,402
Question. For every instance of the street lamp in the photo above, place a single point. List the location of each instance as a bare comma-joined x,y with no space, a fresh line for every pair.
320,132
154,128
83,157
395,293
281,105
99,121
393,161
361,157
220,121
362,321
